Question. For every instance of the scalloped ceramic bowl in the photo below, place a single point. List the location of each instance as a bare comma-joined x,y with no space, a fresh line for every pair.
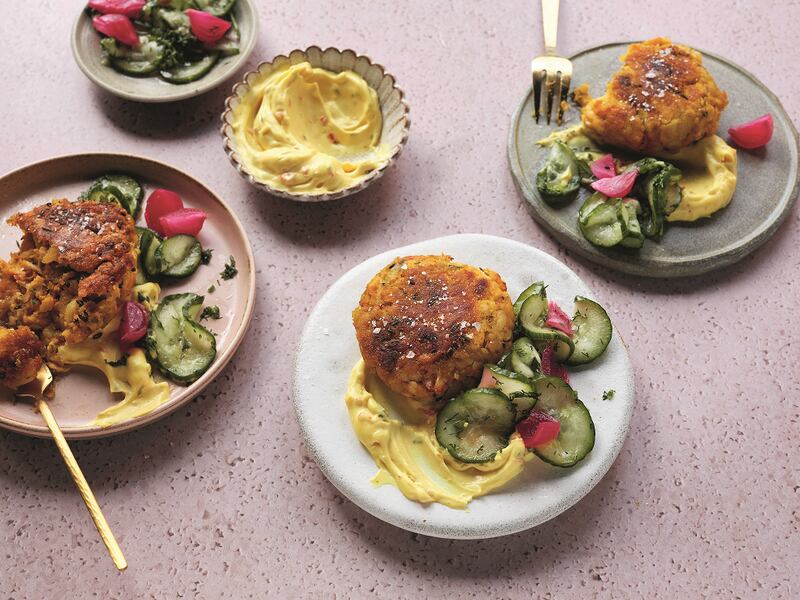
394,109
89,56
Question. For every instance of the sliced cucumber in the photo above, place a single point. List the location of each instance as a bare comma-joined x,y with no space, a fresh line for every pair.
563,346
519,366
593,331
177,20
527,352
121,189
141,61
525,359
589,205
149,242
634,238
215,7
576,437
523,403
517,388
182,348
601,223
190,71
560,176
535,289
476,425
178,256
533,310
509,382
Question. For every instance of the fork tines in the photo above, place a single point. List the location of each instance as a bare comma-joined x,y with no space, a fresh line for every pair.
556,77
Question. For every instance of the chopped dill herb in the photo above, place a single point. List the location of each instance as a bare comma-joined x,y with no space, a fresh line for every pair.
210,312
212,288
205,256
609,394
230,270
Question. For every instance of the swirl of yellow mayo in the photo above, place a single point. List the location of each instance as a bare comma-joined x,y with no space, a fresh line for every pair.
404,447
308,130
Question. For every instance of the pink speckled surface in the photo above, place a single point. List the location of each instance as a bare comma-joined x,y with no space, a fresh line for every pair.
221,501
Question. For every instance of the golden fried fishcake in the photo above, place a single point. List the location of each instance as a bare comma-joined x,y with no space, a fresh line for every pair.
20,356
662,99
75,267
427,325
97,238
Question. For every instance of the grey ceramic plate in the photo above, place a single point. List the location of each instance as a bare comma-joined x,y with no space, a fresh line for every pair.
86,50
328,350
766,190
83,392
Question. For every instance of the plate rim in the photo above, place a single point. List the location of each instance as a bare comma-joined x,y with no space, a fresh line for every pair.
183,92
189,392
425,528
685,267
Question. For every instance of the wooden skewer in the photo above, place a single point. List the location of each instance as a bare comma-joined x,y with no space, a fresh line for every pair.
83,486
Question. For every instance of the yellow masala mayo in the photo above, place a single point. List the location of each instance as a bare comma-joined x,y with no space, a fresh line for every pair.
403,444
132,377
308,130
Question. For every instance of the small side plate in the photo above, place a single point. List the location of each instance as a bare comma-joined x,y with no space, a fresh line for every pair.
88,54
328,350
766,190
83,392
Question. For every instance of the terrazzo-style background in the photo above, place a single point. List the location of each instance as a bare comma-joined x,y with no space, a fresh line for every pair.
221,500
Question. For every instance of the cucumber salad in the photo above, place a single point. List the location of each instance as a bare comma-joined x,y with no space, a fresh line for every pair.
528,390
177,40
170,333
630,200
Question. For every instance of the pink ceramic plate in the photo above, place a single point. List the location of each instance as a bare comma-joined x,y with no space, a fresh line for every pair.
83,392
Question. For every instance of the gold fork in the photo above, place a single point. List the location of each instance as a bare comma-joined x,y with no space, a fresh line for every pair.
35,390
555,71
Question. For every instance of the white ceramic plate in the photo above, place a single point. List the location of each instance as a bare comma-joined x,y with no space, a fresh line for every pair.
328,350
86,50
83,392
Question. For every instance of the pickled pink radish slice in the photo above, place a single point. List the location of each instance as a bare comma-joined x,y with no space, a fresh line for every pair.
753,134
604,167
206,27
129,8
538,428
550,366
487,380
161,202
185,220
616,187
118,27
558,319
133,324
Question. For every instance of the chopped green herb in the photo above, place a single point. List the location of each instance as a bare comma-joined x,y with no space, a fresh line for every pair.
210,312
121,362
212,288
230,270
205,256
609,394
